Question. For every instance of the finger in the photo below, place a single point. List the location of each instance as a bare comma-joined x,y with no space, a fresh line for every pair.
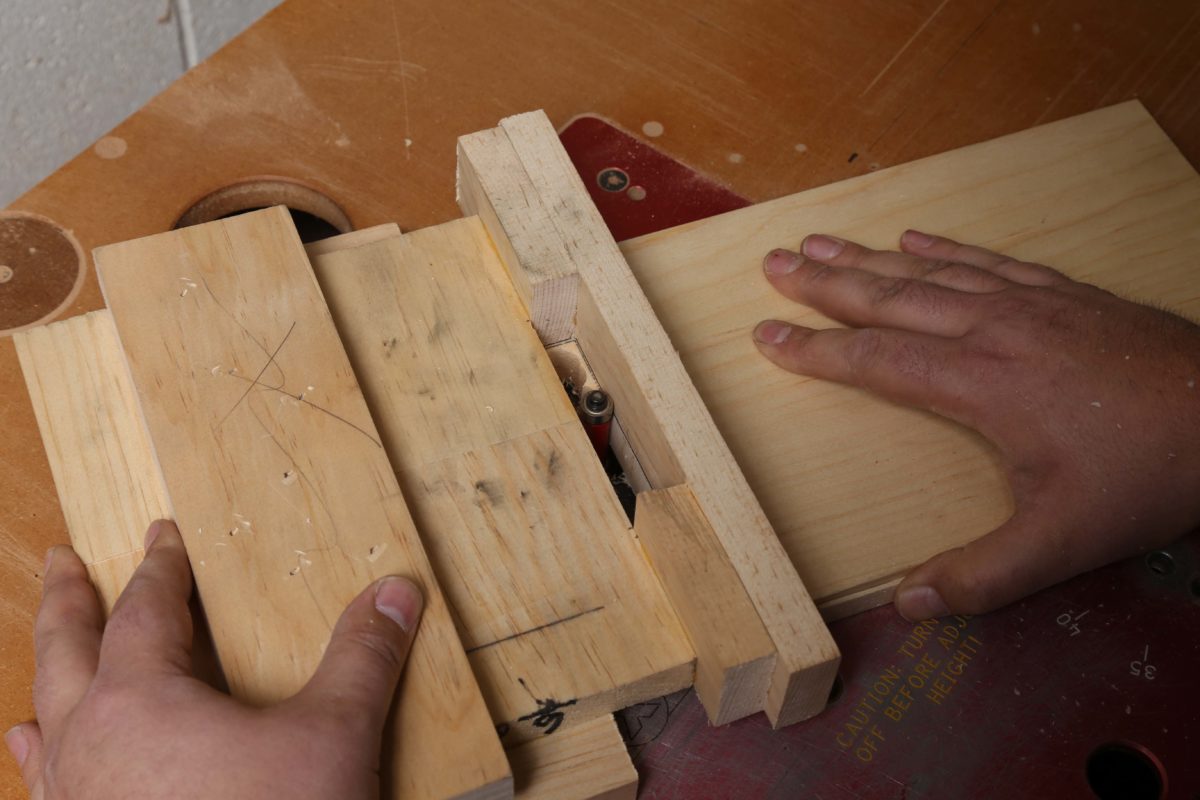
888,263
151,626
936,247
367,650
907,368
24,742
865,299
1030,551
66,637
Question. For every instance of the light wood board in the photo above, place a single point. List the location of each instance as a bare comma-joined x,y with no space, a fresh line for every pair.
588,762
108,482
522,184
280,484
734,654
859,490
553,598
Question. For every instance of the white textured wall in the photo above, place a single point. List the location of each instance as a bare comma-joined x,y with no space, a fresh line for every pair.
70,70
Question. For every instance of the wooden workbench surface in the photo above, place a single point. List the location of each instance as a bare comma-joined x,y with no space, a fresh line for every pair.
363,101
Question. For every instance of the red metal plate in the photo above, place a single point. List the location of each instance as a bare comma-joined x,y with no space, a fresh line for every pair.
638,189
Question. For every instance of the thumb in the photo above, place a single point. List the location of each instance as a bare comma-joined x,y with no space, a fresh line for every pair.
1025,554
366,653
24,742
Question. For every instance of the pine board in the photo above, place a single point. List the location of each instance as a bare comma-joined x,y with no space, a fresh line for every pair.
859,490
552,597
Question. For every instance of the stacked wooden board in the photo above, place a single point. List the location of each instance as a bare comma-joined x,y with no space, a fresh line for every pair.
300,405
302,414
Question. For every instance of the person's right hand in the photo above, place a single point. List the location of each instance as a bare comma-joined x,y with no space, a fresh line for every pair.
1093,401
119,714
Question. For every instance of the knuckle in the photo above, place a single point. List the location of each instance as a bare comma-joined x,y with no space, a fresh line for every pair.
888,291
65,602
937,265
109,705
141,613
1019,305
865,351
818,273
377,646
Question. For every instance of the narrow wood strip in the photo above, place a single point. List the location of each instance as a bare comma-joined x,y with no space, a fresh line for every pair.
734,654
488,187
108,483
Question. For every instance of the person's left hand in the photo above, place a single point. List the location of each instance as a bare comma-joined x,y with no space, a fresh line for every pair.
119,714
1090,399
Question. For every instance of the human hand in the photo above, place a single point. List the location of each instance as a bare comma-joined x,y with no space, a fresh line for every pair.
1091,399
119,714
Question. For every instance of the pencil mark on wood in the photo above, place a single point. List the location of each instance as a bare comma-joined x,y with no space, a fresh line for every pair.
549,714
519,634
300,398
261,345
305,481
261,372
271,361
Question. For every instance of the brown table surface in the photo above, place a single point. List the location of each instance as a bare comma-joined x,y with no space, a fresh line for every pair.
362,102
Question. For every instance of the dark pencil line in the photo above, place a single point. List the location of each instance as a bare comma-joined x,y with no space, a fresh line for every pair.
535,630
255,382
300,399
244,329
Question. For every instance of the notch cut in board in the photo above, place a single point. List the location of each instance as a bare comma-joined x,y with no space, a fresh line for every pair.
244,383
863,490
569,271
553,599
734,654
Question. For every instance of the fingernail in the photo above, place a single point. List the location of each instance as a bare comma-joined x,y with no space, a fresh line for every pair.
399,600
771,332
917,239
781,262
822,247
152,533
921,602
17,744
49,561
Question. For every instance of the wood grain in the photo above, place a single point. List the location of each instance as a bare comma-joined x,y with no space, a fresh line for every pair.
860,490
108,483
552,596
660,411
279,482
734,653
588,762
